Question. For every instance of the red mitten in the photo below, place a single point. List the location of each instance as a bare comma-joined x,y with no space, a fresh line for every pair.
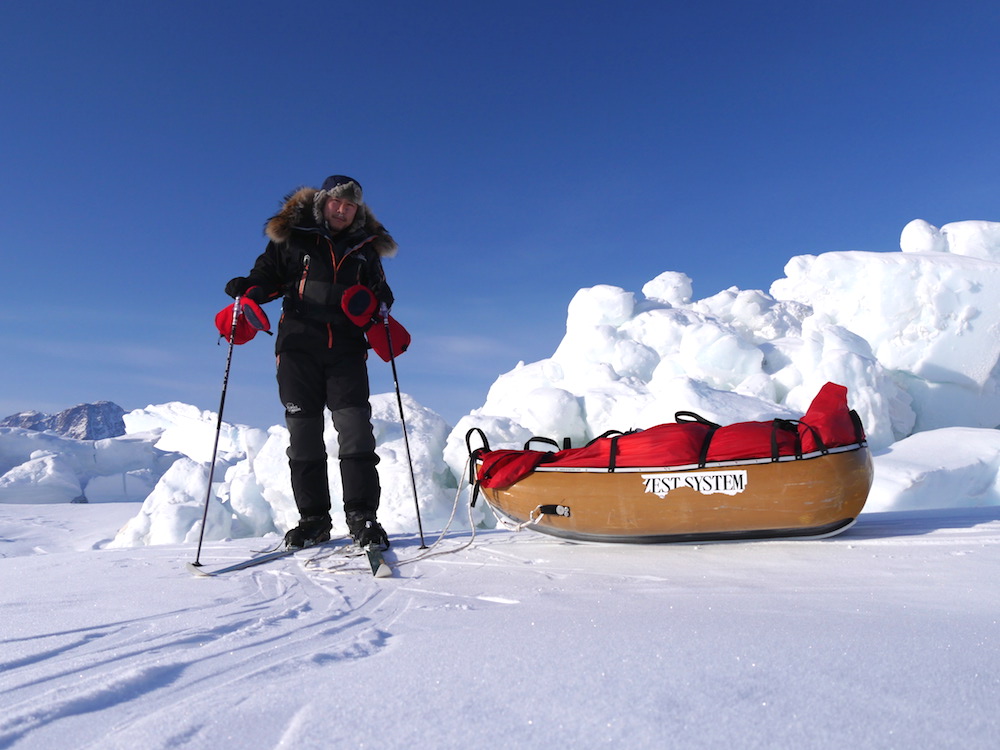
249,320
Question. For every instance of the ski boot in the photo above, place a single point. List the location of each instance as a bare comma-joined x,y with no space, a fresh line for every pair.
365,530
311,530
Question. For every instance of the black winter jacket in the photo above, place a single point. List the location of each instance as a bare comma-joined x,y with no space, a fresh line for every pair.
311,269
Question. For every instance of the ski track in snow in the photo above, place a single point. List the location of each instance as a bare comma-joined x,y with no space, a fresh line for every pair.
281,622
244,649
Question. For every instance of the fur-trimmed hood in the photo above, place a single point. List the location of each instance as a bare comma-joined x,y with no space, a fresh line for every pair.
303,209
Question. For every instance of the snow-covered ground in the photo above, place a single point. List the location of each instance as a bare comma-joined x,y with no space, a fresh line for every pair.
885,636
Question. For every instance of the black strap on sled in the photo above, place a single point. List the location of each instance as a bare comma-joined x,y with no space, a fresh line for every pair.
689,417
819,441
547,441
473,457
859,429
788,425
475,454
703,453
613,448
613,453
793,425
554,510
609,433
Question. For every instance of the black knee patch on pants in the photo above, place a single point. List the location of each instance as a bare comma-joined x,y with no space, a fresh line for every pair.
354,431
358,459
310,487
305,438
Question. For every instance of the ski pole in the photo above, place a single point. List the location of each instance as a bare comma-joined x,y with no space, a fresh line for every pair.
402,420
218,430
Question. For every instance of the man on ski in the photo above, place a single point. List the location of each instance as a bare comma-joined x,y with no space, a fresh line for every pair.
323,243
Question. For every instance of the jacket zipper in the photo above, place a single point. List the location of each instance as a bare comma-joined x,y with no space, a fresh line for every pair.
302,292
348,254
336,268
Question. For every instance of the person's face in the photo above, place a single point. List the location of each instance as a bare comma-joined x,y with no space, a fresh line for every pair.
339,213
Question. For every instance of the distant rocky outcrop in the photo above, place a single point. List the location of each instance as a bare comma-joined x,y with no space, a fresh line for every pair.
83,422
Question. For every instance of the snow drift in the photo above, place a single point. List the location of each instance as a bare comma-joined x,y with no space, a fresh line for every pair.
914,335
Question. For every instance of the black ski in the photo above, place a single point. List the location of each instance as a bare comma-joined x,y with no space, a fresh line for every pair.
380,568
267,557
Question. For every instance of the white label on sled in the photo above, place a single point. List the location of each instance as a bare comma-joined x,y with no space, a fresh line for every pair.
707,483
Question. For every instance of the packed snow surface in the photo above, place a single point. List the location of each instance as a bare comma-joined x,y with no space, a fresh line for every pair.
884,636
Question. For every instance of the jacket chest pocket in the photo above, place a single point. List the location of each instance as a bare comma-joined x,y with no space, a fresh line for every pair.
303,277
318,283
322,293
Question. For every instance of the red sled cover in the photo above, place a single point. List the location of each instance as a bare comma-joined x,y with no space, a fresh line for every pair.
828,423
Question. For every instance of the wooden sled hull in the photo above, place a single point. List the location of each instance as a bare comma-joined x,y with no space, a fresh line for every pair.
809,497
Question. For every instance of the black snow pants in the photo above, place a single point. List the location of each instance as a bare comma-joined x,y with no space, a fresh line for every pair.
338,380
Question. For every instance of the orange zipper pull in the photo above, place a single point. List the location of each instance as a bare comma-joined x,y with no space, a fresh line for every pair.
302,281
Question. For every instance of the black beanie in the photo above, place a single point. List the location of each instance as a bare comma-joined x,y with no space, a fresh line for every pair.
341,186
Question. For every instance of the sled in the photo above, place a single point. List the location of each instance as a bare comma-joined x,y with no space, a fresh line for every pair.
690,481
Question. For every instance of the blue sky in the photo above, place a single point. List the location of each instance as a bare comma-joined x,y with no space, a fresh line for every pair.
517,151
